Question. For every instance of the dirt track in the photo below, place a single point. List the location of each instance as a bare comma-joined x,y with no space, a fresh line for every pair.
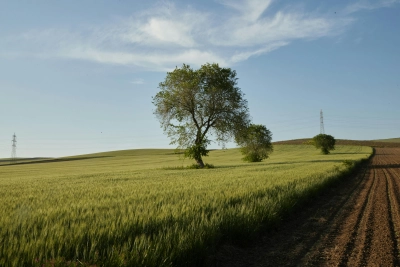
356,223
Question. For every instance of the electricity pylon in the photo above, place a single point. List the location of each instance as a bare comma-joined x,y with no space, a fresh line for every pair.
14,149
321,126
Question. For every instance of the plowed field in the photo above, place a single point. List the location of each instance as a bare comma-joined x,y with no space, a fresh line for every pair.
356,223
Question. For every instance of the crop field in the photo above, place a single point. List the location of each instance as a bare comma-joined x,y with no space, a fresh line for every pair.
141,208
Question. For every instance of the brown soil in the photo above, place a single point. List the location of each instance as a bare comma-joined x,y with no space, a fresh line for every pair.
356,223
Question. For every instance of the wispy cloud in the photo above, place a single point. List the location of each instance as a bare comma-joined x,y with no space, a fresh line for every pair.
166,36
238,57
369,5
137,81
250,10
158,61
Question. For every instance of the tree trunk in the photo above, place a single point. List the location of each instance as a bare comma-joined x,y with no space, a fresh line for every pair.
200,162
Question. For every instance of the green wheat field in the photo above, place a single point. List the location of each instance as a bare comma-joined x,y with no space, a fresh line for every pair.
141,208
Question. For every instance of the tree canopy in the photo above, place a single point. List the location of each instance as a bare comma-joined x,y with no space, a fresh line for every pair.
325,142
193,104
255,143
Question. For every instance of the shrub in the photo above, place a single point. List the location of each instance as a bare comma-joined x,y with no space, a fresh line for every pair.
255,143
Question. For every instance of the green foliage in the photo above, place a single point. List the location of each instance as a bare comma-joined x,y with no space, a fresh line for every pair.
116,209
255,143
196,151
324,142
193,104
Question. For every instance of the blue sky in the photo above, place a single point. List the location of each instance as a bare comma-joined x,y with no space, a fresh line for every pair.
77,76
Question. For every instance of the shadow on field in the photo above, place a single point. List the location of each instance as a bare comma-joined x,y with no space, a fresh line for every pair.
20,160
56,160
298,231
266,163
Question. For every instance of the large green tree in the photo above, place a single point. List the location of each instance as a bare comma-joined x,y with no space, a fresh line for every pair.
325,142
193,105
255,143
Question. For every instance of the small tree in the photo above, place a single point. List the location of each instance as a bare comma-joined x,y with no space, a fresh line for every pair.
325,142
255,143
194,104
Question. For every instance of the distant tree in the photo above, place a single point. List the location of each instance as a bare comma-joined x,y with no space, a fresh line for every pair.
194,104
255,143
324,142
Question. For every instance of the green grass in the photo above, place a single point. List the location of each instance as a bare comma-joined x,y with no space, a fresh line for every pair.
140,208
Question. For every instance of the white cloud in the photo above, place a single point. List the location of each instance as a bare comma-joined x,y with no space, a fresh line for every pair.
250,10
150,61
162,26
137,81
165,30
280,28
166,36
369,5
242,56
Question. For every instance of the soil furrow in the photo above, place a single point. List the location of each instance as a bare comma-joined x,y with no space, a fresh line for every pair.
381,243
358,247
341,209
318,253
353,224
394,201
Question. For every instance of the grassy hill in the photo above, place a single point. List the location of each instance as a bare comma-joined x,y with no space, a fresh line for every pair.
371,143
7,161
390,140
141,208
